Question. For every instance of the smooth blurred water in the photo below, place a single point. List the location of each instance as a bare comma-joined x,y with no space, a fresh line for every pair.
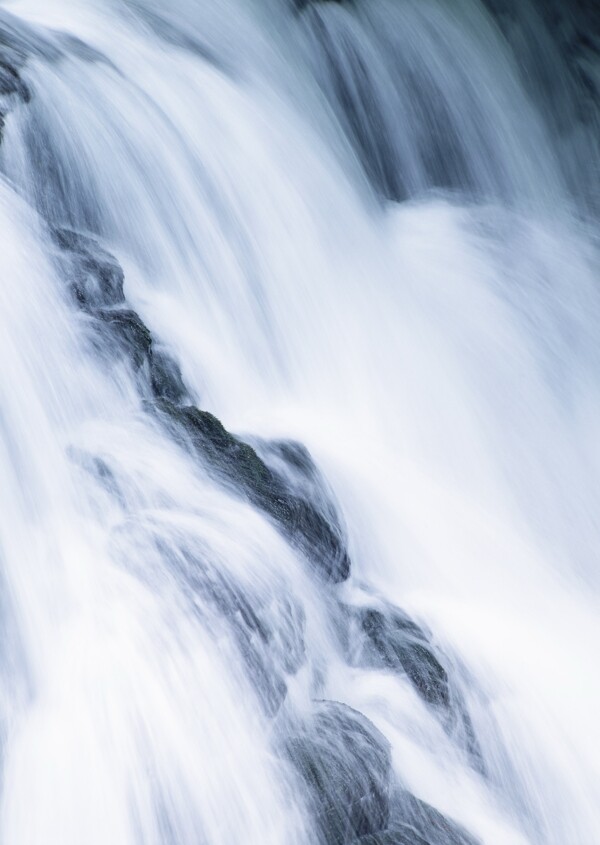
355,226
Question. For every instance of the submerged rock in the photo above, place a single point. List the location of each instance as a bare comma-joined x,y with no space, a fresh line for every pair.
414,822
288,640
96,275
428,823
129,333
165,377
345,765
388,638
100,470
398,643
96,281
296,502
292,462
270,687
267,631
10,80
403,835
236,463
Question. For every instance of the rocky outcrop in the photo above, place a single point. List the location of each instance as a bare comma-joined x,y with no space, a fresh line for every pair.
283,482
238,465
269,640
434,828
393,641
385,637
95,276
344,763
414,822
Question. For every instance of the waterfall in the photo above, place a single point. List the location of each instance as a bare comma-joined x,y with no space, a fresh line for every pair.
298,410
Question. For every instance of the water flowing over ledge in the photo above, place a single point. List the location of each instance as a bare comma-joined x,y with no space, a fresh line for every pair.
298,402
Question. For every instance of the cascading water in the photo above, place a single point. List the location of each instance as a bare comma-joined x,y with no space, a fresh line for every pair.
362,236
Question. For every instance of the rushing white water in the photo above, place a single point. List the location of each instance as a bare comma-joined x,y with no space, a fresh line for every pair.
350,225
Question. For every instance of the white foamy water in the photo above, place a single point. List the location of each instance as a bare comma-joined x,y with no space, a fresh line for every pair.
355,227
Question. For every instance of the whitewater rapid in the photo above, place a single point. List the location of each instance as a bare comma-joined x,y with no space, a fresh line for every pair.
365,228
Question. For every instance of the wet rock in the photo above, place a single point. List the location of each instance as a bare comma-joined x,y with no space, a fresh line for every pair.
311,531
270,686
402,835
398,643
165,378
288,641
293,455
97,281
10,80
238,465
345,765
293,464
429,824
97,276
97,285
311,499
414,822
257,629
128,333
388,638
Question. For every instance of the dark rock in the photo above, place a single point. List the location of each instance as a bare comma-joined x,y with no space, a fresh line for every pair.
256,631
11,82
98,288
399,644
418,823
401,835
294,455
165,378
238,465
345,764
311,531
388,638
128,333
291,462
312,500
97,276
97,281
432,826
